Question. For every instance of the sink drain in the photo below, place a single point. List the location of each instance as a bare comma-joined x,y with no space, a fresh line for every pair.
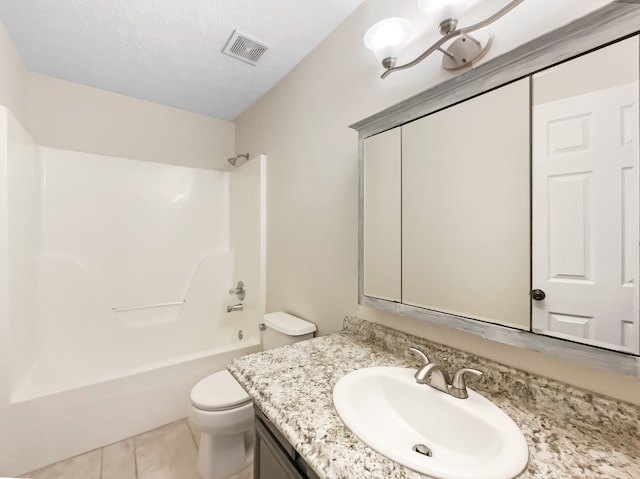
422,449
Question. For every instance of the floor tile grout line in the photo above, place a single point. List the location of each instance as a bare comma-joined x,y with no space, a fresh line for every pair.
134,450
101,462
192,434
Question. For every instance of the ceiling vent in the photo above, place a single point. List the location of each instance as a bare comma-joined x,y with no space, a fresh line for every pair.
244,48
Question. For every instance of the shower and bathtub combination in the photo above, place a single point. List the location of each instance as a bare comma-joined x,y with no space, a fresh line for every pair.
114,287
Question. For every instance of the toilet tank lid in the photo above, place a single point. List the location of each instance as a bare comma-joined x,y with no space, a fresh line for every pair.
288,324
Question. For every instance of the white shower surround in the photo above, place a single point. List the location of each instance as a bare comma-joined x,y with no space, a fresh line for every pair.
87,234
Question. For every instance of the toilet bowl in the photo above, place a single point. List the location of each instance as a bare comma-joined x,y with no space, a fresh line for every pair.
222,412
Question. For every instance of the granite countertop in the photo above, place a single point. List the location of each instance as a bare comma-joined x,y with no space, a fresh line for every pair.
571,433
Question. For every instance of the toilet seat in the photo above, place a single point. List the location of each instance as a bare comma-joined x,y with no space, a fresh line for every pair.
218,392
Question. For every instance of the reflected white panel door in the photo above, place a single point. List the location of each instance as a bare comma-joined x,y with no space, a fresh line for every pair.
585,218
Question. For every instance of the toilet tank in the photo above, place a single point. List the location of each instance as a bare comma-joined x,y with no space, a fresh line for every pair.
283,328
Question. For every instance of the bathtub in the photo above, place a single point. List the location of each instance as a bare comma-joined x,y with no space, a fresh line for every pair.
68,422
114,282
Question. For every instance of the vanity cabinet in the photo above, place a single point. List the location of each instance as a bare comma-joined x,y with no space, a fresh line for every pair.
446,210
465,208
505,202
274,457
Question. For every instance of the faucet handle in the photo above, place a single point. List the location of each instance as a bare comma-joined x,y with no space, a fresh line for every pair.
459,386
417,352
458,378
239,290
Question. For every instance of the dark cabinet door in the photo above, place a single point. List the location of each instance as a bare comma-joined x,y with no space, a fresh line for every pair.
271,461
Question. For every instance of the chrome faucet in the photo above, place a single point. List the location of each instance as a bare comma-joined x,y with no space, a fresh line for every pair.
437,377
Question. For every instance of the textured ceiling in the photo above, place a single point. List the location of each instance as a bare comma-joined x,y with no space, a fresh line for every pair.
169,51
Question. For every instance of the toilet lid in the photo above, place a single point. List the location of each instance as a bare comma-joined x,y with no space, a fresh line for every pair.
218,392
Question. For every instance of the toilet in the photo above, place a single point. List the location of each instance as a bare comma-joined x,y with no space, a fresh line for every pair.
223,412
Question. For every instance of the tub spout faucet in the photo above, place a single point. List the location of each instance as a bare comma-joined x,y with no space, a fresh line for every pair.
235,307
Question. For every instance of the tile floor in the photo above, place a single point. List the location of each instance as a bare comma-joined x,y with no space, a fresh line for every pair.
168,452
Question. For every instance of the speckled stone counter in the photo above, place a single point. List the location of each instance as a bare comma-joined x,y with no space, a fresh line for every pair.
571,433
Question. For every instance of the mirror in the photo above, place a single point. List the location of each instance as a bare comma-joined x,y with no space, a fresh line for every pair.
465,208
485,218
382,250
585,199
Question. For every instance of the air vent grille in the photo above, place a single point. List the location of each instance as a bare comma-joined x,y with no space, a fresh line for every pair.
245,48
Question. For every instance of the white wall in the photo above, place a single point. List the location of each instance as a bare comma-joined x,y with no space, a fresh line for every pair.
576,77
302,124
13,77
76,117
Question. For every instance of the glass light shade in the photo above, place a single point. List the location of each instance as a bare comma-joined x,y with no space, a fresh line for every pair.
388,37
441,10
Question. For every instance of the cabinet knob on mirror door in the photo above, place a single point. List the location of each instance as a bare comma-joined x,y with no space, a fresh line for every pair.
538,295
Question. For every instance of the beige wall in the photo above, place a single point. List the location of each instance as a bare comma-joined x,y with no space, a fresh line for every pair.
616,65
13,77
76,117
302,125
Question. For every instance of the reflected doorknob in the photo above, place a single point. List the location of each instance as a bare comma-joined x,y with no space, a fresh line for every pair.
538,295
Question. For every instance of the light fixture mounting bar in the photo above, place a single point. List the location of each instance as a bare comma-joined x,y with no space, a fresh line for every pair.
456,33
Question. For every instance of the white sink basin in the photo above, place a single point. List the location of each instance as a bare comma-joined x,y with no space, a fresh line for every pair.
467,438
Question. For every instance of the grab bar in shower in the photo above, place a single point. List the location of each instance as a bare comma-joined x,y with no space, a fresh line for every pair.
147,306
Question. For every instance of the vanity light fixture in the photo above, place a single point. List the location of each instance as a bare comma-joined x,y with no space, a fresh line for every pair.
388,37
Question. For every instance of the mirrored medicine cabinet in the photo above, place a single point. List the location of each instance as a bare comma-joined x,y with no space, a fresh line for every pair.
506,203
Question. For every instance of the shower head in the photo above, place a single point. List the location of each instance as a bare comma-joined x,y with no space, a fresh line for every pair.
234,159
